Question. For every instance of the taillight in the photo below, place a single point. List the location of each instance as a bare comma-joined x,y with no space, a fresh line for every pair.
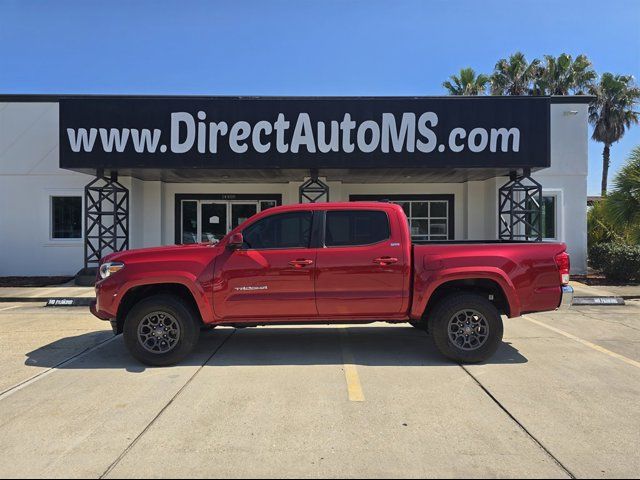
564,266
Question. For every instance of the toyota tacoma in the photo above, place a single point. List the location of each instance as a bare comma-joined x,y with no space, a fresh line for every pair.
329,263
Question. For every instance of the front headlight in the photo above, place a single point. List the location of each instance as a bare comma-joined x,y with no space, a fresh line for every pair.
108,268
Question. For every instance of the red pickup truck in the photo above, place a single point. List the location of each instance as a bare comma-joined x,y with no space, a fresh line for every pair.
328,263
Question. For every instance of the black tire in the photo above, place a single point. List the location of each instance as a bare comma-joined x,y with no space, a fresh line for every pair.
168,310
460,306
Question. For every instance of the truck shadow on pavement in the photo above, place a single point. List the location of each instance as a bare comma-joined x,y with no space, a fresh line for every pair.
286,346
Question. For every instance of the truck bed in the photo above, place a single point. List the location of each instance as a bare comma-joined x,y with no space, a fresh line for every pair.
525,271
473,242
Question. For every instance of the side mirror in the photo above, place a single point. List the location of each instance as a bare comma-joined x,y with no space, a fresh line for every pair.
236,241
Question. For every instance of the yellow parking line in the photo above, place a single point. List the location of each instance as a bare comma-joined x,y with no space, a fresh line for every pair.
350,370
586,343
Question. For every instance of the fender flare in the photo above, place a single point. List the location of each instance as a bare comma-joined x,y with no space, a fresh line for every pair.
185,279
442,277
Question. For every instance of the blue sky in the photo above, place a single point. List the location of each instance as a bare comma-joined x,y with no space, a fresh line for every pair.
302,47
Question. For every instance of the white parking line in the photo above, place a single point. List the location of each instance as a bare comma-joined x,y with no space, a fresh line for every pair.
16,388
9,308
586,343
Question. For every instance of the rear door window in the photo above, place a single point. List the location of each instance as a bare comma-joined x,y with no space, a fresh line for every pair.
355,227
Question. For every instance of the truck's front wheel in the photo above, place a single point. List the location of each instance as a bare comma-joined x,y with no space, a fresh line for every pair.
466,327
161,330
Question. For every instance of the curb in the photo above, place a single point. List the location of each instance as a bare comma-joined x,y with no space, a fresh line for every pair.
600,301
624,297
74,301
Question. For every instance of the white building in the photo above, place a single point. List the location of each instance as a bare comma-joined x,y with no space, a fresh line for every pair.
444,159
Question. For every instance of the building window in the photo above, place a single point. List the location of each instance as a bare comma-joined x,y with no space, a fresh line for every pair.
66,217
430,216
266,204
549,229
428,219
549,213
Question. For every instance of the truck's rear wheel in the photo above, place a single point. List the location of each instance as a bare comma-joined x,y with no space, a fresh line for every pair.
161,330
466,327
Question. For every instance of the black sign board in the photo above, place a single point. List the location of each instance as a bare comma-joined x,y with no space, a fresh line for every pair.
598,301
69,302
295,132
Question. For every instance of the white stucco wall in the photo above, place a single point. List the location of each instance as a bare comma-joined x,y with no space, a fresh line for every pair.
567,178
29,175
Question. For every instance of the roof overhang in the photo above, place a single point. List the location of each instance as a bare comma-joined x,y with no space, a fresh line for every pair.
345,175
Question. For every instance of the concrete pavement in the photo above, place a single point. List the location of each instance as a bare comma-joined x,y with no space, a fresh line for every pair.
32,340
623,291
273,402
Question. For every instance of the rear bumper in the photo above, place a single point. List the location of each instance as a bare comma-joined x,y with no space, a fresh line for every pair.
566,300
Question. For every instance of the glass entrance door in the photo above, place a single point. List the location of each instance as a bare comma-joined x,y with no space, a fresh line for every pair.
189,225
213,221
210,220
241,211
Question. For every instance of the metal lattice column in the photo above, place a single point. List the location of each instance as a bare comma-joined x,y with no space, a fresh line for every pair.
520,209
314,190
106,218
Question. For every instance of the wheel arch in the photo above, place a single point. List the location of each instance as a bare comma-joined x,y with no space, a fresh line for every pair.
137,293
485,287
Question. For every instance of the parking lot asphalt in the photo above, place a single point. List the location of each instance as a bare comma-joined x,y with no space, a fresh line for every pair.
559,399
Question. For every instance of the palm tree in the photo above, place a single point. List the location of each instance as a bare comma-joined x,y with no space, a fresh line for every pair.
514,76
612,113
564,76
467,83
624,201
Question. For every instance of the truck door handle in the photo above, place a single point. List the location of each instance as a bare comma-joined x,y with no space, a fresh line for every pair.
385,260
301,262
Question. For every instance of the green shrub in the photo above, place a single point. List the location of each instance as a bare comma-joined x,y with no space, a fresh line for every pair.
616,217
597,254
600,228
616,261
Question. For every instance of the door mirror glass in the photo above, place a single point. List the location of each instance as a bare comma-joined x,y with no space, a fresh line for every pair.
235,241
